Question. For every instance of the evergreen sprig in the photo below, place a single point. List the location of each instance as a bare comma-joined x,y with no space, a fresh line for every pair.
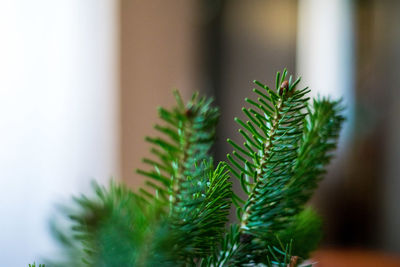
198,197
180,219
115,228
272,142
286,147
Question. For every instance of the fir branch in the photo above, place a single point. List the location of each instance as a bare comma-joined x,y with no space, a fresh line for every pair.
304,231
118,228
287,144
321,133
198,196
190,132
273,147
282,160
238,250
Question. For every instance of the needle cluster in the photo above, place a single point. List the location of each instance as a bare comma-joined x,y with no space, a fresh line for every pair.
181,217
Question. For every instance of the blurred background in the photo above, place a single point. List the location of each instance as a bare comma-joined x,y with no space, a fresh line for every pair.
80,81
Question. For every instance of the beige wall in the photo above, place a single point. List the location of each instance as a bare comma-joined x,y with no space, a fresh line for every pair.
157,54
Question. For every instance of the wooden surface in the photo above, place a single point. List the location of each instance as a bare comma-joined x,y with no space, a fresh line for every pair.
354,258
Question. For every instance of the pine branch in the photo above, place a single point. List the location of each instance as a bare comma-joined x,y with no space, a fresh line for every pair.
190,132
283,157
212,214
273,145
198,196
236,244
321,132
118,228
304,231
287,145
105,227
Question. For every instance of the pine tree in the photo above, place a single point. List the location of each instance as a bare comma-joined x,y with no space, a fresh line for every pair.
181,218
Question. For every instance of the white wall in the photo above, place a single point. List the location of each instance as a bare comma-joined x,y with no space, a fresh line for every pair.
58,113
325,52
